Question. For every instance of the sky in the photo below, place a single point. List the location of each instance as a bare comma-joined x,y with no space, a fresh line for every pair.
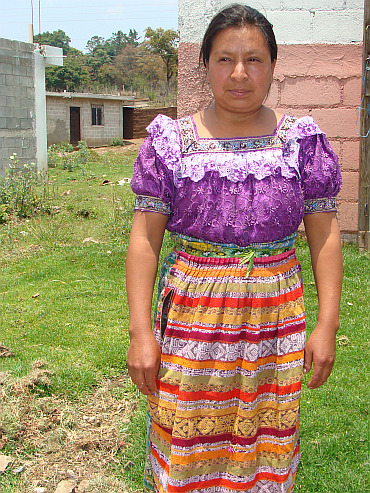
82,19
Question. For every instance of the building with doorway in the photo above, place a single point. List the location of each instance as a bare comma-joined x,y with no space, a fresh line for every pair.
94,118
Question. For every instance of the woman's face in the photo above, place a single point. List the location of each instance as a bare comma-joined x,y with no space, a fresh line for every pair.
239,69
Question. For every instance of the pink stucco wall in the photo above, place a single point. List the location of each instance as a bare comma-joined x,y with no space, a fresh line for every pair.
321,80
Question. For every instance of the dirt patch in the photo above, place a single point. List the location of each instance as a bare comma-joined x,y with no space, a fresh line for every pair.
131,145
52,439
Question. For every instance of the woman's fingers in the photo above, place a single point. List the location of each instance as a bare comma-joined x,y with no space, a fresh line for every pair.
143,360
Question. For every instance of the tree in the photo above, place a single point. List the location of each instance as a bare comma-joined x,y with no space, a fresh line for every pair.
165,44
56,38
119,40
94,43
70,77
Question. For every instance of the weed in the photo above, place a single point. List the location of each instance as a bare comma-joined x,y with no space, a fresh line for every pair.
23,191
117,141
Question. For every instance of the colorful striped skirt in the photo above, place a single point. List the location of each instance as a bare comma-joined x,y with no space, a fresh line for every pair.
225,418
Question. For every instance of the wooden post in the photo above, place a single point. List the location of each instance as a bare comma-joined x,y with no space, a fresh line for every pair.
364,172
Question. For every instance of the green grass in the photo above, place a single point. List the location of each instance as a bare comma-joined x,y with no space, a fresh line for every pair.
78,323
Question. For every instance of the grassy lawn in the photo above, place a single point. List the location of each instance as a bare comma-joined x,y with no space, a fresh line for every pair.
63,314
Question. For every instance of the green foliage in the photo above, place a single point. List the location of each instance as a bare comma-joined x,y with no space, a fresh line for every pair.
57,38
165,44
70,77
61,155
117,141
4,213
62,146
120,61
22,191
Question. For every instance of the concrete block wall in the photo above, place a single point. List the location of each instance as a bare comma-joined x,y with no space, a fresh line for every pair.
57,117
96,135
318,73
17,102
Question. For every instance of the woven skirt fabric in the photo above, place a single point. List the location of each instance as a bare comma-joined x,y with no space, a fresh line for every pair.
226,415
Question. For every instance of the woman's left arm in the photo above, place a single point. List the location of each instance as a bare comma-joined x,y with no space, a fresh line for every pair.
323,235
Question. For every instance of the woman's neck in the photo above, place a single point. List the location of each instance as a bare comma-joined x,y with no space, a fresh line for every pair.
214,122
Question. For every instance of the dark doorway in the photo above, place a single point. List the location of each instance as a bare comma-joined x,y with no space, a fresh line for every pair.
74,123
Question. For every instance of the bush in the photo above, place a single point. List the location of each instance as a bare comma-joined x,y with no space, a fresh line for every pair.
61,154
63,147
22,191
117,141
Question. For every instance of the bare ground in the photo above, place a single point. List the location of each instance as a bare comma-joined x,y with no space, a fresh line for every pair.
131,145
52,439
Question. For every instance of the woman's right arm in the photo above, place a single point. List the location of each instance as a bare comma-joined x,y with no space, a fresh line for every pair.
143,358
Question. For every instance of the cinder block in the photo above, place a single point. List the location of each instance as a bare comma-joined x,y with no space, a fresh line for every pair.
5,58
337,122
341,26
312,4
3,122
351,155
26,103
26,123
297,112
302,91
317,60
28,82
7,68
8,111
349,191
20,71
337,147
20,113
12,80
13,101
352,91
292,26
353,4
348,216
2,79
12,123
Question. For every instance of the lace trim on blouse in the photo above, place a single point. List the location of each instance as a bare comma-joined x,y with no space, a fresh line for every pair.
188,156
151,204
325,204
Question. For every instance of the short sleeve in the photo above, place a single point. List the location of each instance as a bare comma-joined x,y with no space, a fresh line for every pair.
152,181
318,166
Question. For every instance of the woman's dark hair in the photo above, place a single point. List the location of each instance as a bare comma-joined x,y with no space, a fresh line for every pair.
237,15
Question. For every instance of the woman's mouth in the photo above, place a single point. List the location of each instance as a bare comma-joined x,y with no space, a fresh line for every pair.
239,93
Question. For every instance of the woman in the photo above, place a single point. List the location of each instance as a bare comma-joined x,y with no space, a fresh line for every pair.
223,368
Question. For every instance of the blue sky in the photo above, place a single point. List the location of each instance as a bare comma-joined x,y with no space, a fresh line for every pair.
82,19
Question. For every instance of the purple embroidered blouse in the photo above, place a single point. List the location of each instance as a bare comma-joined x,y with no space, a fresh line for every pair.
236,190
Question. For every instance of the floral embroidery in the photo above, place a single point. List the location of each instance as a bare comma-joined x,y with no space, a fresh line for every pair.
191,144
237,197
151,204
325,204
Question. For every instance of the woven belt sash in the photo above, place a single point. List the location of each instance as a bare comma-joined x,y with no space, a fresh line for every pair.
202,248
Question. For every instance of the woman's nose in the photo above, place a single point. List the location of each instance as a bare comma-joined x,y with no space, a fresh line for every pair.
239,72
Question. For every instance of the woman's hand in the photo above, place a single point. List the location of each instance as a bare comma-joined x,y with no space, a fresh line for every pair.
144,354
319,351
323,237
143,360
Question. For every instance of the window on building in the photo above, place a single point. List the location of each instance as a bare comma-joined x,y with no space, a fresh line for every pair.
96,114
